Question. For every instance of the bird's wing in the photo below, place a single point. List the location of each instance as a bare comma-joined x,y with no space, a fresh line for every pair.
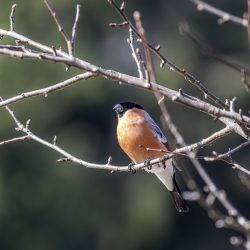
157,131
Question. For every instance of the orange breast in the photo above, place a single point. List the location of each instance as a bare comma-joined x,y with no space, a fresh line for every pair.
135,135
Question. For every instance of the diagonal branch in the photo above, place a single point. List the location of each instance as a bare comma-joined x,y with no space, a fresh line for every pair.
30,135
55,17
223,16
215,192
51,54
45,91
208,50
27,41
164,60
178,97
226,157
175,96
60,28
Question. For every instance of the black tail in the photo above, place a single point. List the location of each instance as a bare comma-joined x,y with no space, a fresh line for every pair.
179,202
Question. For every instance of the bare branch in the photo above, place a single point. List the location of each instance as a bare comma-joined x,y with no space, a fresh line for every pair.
45,91
12,47
118,25
144,66
62,57
227,114
27,41
212,188
223,16
226,157
134,54
164,60
209,140
239,147
238,167
178,97
60,28
25,129
215,192
148,67
13,9
21,138
73,36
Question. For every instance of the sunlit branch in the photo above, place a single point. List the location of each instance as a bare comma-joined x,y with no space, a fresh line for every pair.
45,91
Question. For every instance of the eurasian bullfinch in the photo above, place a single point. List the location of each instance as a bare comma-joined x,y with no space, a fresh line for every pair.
142,140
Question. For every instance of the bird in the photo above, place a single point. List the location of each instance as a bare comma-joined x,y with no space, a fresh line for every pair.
142,140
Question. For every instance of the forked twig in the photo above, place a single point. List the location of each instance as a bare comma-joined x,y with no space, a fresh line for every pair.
70,42
164,60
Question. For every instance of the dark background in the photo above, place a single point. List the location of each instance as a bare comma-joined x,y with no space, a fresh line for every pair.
48,205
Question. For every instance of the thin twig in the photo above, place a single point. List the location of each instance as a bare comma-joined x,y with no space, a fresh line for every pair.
229,153
223,16
73,36
144,66
164,60
134,54
21,39
228,117
45,91
12,47
60,28
239,147
187,75
118,25
13,9
226,157
21,138
148,68
63,58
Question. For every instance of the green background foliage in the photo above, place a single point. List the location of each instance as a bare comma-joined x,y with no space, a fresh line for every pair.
48,205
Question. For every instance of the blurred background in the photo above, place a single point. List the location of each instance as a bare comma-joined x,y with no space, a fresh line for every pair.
50,205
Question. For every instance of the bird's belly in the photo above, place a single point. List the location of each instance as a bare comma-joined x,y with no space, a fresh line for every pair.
140,146
164,172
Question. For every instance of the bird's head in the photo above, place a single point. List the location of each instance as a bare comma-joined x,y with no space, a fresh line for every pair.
122,107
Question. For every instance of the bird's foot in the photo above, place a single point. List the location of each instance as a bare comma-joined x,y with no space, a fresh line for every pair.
131,168
162,159
147,164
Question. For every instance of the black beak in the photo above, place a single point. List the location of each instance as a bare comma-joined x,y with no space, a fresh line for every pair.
118,108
